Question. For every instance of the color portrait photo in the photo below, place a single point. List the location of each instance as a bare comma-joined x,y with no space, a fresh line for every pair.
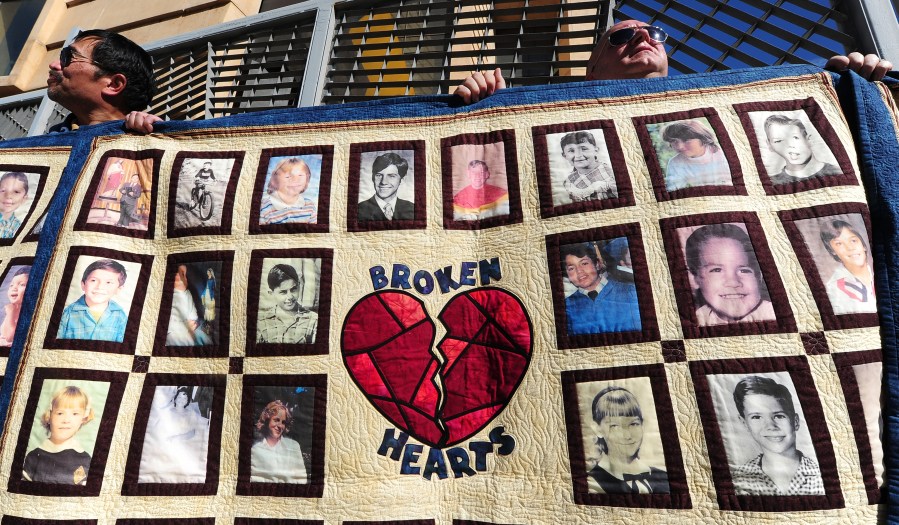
690,154
841,251
193,317
283,434
599,289
18,193
202,184
791,147
479,182
291,190
621,437
64,431
176,443
580,167
98,299
12,292
123,197
289,301
765,433
724,275
868,379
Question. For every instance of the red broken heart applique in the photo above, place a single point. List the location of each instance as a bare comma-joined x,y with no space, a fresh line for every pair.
442,395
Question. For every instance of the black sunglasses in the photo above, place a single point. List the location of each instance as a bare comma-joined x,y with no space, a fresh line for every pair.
626,34
67,56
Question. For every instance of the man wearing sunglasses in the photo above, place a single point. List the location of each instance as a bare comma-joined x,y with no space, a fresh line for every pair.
632,49
100,76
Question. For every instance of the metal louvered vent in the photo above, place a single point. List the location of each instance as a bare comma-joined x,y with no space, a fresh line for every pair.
227,76
16,120
417,47
715,35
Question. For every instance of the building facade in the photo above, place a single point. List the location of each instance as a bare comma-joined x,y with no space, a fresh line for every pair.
223,57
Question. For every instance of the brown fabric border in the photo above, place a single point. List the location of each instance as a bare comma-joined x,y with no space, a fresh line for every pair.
133,326
816,283
807,392
822,126
420,219
316,477
544,179
117,381
254,283
222,321
168,521
679,496
648,321
324,191
677,265
15,261
510,151
43,173
130,486
655,169
81,223
227,205
844,363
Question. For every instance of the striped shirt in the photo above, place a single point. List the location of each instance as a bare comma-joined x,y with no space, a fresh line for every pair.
276,211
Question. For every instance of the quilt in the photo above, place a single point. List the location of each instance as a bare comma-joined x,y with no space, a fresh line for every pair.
656,301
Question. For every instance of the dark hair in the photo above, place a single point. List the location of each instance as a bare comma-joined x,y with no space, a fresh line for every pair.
690,129
614,401
116,54
19,176
390,159
830,230
613,253
764,386
280,273
180,389
579,250
784,120
702,235
106,264
577,137
25,270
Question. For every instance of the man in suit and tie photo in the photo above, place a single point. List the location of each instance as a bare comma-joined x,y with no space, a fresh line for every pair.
388,172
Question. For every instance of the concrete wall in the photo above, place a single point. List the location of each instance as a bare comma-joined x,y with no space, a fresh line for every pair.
143,21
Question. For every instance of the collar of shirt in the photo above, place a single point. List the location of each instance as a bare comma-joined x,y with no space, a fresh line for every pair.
603,281
391,201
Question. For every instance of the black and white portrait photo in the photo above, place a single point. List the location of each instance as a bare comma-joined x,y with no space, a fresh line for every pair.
202,185
621,437
288,301
725,275
791,147
580,167
765,434
387,186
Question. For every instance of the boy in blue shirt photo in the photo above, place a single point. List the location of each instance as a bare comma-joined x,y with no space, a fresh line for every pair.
95,316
